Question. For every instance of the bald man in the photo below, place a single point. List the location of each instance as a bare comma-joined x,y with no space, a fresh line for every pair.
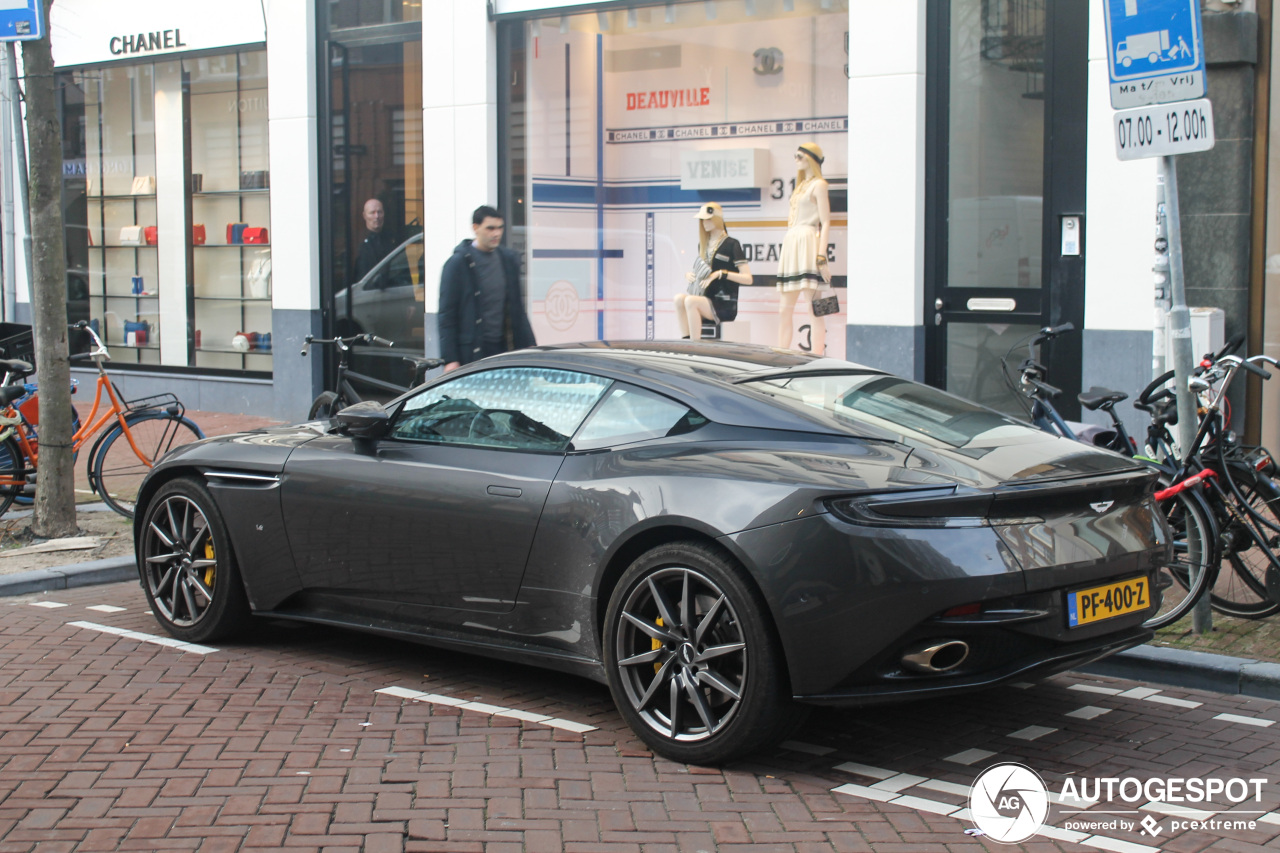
378,243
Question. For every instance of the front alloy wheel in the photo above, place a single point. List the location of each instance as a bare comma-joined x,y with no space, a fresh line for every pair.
190,577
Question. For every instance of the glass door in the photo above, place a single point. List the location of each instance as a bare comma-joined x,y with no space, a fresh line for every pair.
373,167
1007,173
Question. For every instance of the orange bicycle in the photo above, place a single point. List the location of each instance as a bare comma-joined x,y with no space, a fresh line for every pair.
144,430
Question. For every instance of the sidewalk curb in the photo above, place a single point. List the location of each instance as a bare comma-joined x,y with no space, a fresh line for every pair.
1196,670
110,570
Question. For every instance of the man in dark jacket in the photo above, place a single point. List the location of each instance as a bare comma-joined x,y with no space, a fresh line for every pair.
481,306
378,242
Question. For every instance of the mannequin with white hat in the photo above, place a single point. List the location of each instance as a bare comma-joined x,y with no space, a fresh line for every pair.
802,265
718,270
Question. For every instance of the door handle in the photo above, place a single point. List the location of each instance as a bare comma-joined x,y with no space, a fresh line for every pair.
504,492
937,304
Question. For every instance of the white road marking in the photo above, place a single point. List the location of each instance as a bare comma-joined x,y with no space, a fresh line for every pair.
1031,732
194,648
47,604
1176,811
1088,712
866,770
1138,692
970,756
105,608
1270,817
483,708
1094,688
946,787
1169,700
899,782
1248,721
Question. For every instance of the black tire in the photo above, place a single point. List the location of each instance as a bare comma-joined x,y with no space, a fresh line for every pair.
1241,586
688,705
13,475
188,568
325,406
116,471
1195,557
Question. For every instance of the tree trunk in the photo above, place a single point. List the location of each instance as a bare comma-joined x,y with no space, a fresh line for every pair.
55,507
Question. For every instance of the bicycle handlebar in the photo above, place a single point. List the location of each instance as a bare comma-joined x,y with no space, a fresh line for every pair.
99,349
344,343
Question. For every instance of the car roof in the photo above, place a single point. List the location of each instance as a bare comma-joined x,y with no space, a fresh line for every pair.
711,377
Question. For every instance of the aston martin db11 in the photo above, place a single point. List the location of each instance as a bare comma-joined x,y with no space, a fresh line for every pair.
723,534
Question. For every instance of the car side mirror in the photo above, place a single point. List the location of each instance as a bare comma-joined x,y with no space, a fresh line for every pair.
369,419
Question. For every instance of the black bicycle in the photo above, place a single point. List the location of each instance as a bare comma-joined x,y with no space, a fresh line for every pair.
329,403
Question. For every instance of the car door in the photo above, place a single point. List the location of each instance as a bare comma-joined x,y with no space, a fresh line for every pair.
443,511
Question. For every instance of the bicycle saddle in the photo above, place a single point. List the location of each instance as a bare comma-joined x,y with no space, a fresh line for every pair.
20,369
9,393
1100,398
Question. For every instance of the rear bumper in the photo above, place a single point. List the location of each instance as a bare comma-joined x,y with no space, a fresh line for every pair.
1062,658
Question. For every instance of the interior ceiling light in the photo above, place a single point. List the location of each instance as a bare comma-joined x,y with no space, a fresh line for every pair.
602,18
631,17
670,16
788,5
564,24
711,9
535,28
751,7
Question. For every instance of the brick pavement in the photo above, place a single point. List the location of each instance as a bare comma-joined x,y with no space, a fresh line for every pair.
279,741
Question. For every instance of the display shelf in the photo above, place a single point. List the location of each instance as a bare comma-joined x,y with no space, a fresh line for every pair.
207,193
233,298
115,197
124,246
233,245
233,350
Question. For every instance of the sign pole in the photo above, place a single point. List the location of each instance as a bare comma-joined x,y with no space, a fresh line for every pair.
6,197
1180,335
20,144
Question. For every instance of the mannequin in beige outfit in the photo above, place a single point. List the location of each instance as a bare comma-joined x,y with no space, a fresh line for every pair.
802,265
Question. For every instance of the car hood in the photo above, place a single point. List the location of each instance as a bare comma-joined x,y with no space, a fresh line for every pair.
1016,456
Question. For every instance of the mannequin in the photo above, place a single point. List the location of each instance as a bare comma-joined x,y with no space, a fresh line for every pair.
802,266
721,266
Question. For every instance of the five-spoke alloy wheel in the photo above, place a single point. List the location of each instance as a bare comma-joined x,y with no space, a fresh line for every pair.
188,570
693,664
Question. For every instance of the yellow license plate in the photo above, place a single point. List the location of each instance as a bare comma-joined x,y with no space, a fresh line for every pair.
1104,602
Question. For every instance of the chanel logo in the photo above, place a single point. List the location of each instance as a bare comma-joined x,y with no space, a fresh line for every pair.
768,61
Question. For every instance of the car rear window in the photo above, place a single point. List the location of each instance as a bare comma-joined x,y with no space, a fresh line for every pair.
888,403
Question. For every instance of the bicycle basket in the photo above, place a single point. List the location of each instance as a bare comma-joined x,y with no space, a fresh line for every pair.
17,341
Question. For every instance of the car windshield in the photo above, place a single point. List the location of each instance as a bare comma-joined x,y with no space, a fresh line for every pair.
887,403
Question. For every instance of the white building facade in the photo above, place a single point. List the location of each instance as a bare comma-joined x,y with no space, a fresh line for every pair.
976,194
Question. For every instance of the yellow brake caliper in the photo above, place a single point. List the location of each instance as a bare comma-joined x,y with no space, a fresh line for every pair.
656,644
208,555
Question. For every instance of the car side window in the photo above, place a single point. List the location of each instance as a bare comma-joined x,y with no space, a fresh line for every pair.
517,408
633,414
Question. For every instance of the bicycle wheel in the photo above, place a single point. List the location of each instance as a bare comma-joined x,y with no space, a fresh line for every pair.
1241,586
325,406
117,471
12,475
1193,563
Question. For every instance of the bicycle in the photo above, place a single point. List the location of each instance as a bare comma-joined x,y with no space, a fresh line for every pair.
144,430
329,403
1209,524
1194,536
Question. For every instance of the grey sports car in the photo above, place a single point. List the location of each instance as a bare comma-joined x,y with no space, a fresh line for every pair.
722,533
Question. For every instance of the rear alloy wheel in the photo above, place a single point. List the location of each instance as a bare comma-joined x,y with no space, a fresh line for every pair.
188,569
692,661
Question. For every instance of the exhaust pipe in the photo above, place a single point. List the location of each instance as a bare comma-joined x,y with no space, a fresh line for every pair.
935,656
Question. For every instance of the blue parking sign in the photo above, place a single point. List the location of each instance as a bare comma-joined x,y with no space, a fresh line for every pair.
21,20
1155,50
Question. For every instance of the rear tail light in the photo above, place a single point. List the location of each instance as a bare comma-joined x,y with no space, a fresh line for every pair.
947,507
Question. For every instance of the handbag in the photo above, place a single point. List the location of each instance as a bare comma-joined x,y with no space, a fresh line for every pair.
255,235
143,185
825,305
198,234
151,234
131,235
235,232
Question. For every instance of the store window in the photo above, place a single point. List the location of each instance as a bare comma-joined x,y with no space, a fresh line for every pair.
168,212
619,125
